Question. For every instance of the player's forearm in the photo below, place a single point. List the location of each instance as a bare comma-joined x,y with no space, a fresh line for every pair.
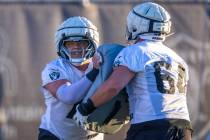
105,93
72,93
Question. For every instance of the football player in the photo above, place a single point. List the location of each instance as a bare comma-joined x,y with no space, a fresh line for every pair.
154,75
66,80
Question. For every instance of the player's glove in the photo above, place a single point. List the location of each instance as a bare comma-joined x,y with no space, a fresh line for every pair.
82,112
99,57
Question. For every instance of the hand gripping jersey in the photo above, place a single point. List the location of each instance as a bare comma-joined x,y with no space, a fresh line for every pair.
55,118
110,117
159,87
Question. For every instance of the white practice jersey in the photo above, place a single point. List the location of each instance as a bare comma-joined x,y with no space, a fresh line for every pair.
158,89
55,118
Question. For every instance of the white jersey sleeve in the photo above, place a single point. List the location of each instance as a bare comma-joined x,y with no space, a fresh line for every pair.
130,57
52,73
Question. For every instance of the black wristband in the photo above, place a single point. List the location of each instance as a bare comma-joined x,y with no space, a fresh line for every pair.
86,108
92,74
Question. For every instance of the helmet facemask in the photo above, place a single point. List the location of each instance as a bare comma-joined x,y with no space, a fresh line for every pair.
79,51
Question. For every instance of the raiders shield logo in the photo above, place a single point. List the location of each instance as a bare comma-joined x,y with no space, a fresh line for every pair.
117,62
54,75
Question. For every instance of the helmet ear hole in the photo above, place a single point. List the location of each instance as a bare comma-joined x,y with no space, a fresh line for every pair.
58,53
134,29
88,35
63,35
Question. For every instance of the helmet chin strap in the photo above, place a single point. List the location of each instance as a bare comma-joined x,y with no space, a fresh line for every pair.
76,61
79,62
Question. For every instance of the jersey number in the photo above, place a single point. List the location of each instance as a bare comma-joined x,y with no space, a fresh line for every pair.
165,82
